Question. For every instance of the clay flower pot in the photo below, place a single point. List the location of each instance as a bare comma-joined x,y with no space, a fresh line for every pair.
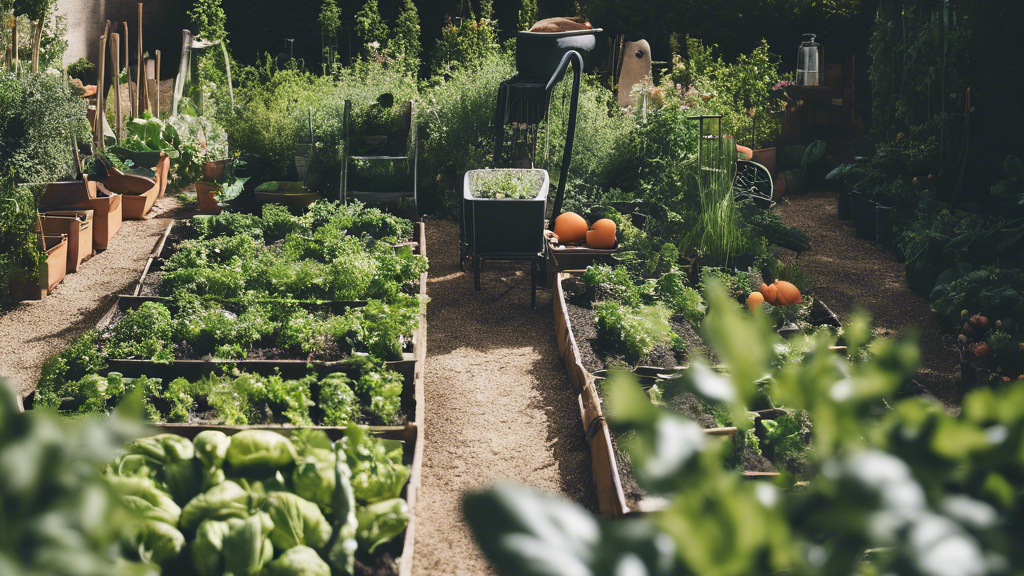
137,192
213,170
207,193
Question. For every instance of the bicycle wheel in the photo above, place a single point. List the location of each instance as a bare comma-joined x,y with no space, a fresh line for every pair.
754,181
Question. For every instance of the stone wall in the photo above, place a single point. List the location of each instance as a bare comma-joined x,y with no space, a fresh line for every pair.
162,21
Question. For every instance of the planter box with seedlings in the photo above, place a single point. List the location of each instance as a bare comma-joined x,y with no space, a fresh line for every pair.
503,214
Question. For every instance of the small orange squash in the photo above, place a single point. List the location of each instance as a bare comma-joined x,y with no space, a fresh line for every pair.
570,228
754,301
602,234
770,293
788,294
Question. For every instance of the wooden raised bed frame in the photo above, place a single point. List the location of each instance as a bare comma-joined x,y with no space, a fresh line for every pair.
610,496
411,433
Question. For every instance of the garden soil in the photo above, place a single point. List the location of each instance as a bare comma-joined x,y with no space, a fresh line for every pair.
32,331
499,405
848,273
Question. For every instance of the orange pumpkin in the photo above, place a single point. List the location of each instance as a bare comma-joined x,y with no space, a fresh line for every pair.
770,293
755,300
788,294
602,234
570,228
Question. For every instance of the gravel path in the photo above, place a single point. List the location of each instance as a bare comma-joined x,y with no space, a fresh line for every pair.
32,331
848,273
498,403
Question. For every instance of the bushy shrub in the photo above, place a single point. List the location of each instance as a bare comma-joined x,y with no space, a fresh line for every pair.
458,127
39,115
20,252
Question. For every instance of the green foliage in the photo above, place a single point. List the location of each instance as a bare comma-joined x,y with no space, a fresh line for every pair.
613,283
209,18
371,28
238,524
792,273
59,514
671,289
742,91
464,44
516,185
862,471
637,331
459,128
331,253
737,284
39,115
786,441
78,360
20,252
405,45
84,70
527,14
143,334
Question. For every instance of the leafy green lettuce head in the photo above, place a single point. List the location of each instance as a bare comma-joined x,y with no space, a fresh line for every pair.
211,450
379,523
299,561
297,521
260,448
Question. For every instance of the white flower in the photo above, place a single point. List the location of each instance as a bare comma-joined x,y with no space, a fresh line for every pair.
374,45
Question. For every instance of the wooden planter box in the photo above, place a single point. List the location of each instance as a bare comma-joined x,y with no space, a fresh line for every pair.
77,225
138,193
85,195
56,266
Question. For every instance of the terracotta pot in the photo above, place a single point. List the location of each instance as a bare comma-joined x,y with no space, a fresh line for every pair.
213,170
84,195
207,193
77,225
163,173
138,193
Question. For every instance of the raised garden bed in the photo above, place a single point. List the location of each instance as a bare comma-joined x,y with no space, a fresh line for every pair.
618,492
